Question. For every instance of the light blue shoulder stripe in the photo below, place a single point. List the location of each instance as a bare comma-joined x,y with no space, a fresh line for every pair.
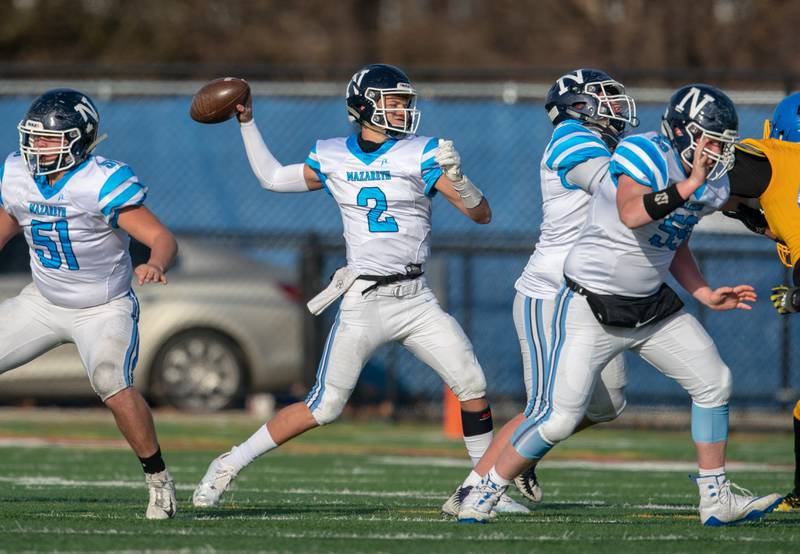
433,143
654,153
575,150
116,179
123,197
625,162
315,165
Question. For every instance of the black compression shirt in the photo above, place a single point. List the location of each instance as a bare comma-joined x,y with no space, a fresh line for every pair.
750,175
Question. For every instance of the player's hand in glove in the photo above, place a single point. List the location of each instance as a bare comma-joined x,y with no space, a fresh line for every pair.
449,160
786,300
753,219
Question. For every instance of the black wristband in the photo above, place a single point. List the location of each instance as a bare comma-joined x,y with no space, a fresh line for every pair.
659,205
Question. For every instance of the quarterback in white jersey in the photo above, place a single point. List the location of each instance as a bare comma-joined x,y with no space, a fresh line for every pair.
590,111
382,179
615,298
77,211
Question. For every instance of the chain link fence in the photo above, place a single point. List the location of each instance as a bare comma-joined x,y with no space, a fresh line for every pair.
201,185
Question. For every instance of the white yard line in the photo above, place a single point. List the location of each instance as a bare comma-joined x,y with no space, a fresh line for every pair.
614,465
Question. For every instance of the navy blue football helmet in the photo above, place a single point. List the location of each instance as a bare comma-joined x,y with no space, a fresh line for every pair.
63,114
594,97
697,111
366,96
785,124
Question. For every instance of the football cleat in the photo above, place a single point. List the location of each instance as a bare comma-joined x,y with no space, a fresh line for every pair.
790,503
162,502
478,506
725,503
453,504
528,485
216,481
506,504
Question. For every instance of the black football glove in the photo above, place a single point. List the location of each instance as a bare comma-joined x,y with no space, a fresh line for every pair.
786,300
753,219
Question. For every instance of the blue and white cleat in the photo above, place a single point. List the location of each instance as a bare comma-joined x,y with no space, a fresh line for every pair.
720,505
478,506
506,504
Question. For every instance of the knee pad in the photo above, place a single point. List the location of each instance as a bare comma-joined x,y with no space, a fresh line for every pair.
107,380
328,404
559,426
717,392
606,404
471,384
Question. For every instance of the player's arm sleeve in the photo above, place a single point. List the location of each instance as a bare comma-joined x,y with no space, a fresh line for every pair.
570,149
429,169
121,190
589,174
639,158
270,173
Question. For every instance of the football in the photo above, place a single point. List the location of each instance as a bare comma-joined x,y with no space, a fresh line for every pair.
216,101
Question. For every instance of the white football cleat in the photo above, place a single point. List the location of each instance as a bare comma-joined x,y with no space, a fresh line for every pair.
528,485
478,506
217,479
162,504
453,504
719,505
507,505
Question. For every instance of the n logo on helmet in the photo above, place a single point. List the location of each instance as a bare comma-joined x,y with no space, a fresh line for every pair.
696,104
86,110
576,78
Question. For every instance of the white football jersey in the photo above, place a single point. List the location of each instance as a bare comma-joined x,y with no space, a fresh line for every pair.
564,207
610,258
384,197
79,256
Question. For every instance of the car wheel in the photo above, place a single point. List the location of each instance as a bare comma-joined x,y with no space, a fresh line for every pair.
199,370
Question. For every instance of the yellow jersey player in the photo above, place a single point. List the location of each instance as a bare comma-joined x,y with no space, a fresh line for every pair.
768,169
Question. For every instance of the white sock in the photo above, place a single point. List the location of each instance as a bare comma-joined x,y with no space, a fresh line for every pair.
709,479
711,472
472,479
477,445
259,443
495,477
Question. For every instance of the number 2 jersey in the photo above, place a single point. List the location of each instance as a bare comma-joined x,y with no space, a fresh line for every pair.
610,258
384,198
79,255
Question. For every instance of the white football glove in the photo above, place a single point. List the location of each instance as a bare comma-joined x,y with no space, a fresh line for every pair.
449,160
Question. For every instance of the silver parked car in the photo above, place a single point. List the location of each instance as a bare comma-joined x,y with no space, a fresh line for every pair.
223,327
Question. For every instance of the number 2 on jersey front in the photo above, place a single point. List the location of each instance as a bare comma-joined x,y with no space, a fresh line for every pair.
377,225
49,250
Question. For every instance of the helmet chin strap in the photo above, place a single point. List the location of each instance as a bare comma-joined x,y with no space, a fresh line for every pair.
96,141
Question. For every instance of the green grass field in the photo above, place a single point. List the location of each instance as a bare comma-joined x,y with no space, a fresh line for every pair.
69,484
